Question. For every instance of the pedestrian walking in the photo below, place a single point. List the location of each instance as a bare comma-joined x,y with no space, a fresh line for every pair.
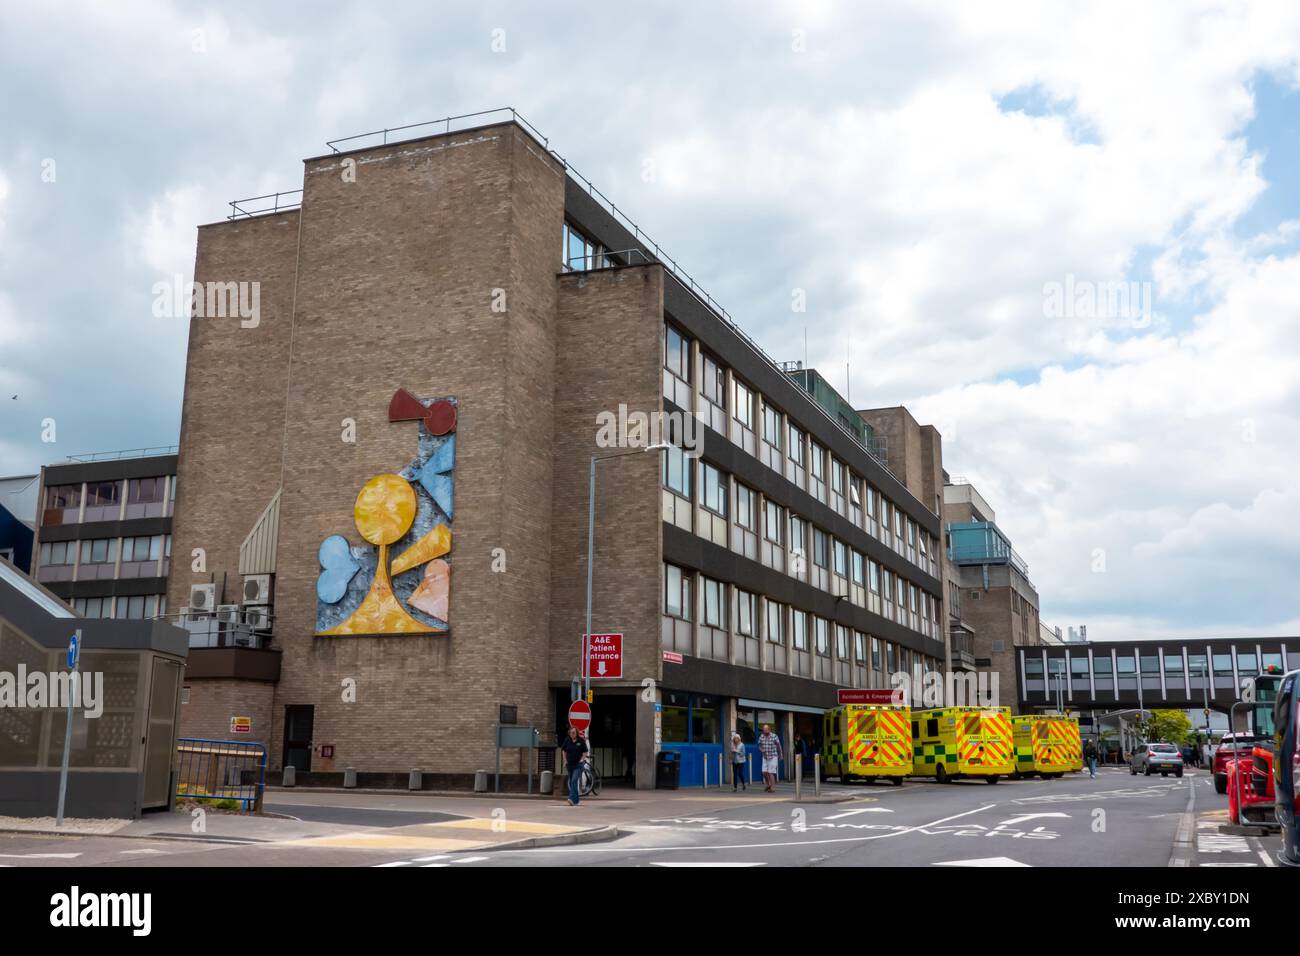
1090,756
737,762
769,748
575,751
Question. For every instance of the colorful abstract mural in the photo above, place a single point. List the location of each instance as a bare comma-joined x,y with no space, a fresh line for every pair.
399,581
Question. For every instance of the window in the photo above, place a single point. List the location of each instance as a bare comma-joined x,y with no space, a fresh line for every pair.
798,542
774,518
840,552
99,551
677,353
744,405
746,504
818,465
58,552
63,496
822,636
821,542
580,253
873,571
746,612
775,623
1034,667
771,425
714,612
799,629
714,385
677,592
714,489
677,471
795,445
105,494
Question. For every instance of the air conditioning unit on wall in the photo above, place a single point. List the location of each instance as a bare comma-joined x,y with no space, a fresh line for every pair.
228,613
257,589
203,597
258,618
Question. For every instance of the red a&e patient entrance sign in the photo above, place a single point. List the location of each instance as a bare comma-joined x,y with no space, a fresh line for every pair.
605,655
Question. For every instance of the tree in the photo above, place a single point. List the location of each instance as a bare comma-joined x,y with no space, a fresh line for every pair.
1171,725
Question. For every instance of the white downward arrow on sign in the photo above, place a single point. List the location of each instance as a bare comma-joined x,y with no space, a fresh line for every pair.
600,668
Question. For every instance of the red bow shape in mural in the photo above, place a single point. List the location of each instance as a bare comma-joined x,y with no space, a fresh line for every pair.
439,418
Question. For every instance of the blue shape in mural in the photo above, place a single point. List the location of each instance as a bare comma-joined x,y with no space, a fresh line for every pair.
435,474
338,567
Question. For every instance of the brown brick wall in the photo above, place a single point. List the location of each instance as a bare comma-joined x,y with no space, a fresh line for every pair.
232,415
213,702
396,273
610,347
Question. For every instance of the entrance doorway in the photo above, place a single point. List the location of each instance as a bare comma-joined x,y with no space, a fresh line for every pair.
298,720
612,735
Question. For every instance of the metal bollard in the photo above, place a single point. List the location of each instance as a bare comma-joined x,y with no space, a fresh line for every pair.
350,778
290,776
704,759
798,774
480,781
750,765
817,774
547,781
721,770
415,781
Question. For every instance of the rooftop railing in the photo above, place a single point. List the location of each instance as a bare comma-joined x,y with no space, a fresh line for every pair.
448,124
126,453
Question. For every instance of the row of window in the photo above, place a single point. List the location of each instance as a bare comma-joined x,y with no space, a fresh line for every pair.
733,515
120,499
1150,666
704,617
101,559
756,425
136,607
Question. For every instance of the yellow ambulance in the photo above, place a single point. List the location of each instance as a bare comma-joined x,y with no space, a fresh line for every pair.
1046,744
949,743
867,741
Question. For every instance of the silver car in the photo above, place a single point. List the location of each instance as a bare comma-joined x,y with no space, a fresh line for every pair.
1162,758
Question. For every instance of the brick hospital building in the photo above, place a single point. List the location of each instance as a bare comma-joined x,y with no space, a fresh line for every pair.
381,526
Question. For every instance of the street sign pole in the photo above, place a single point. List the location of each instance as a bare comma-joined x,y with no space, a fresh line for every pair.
591,539
74,658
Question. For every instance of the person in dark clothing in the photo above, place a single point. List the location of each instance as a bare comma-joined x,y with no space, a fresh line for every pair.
575,749
1090,757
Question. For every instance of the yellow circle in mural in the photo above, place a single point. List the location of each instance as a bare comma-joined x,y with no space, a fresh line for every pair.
385,509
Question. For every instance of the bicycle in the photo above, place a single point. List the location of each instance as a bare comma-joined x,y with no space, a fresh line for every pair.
588,779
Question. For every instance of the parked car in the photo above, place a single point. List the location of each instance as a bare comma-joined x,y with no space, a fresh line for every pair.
1162,758
1223,756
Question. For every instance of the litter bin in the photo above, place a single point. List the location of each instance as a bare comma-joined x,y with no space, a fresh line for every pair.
668,770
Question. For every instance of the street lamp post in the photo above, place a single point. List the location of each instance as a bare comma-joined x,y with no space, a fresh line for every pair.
591,546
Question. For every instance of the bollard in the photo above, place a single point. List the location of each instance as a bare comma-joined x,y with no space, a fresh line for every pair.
415,781
290,776
817,774
721,771
480,781
547,781
704,759
750,767
798,774
350,778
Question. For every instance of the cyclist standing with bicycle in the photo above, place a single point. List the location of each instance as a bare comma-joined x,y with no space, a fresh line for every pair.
575,749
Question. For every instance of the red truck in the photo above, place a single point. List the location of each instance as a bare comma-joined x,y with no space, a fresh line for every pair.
1248,757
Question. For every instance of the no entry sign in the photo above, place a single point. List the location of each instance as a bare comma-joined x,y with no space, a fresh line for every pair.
605,655
580,715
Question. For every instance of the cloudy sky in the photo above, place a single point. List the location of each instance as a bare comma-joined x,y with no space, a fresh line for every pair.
934,177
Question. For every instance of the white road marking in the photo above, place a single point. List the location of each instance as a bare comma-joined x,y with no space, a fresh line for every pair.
40,856
396,863
850,813
1031,816
1268,860
986,861
141,852
752,846
685,863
